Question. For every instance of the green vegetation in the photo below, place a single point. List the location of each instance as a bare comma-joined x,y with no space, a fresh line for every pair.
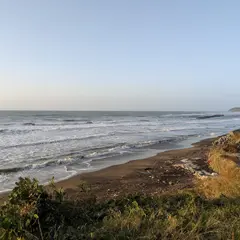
210,211
32,213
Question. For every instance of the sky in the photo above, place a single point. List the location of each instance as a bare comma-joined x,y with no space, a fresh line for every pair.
119,55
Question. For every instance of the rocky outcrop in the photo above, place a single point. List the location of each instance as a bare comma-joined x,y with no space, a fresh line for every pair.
211,116
191,166
229,142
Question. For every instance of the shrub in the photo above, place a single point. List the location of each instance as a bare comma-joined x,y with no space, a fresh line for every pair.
19,216
183,215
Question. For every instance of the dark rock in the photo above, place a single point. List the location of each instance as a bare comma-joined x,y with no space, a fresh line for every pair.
211,116
29,124
148,169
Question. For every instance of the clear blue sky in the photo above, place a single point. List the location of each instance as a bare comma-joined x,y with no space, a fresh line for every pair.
119,55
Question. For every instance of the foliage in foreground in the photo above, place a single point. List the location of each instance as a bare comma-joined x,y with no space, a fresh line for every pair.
34,213
38,213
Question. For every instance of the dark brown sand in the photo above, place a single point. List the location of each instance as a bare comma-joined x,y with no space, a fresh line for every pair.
154,175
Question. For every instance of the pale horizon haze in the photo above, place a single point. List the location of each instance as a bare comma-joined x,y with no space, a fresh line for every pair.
119,55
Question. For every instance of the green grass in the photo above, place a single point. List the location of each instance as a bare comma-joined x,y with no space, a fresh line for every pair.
32,213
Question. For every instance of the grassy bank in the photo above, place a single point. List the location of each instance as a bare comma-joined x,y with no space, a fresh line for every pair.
223,159
211,210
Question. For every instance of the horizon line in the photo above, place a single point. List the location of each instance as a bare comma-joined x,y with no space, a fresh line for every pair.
102,110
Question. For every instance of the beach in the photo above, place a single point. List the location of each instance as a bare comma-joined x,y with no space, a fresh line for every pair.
65,144
155,175
161,173
185,182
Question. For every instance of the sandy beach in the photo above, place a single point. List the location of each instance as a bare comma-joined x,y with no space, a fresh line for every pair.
155,175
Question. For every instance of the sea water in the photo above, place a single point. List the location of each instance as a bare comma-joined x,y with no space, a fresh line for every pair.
62,144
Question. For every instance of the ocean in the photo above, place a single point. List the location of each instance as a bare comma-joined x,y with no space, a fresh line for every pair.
62,144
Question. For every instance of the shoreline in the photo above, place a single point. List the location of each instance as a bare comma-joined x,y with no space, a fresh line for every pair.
150,152
155,174
152,175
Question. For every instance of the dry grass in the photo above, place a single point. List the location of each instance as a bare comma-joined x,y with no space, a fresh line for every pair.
235,136
227,183
221,162
215,187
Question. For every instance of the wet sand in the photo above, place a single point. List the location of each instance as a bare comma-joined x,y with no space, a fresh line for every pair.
154,175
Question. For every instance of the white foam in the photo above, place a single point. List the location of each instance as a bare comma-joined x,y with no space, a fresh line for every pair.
120,136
